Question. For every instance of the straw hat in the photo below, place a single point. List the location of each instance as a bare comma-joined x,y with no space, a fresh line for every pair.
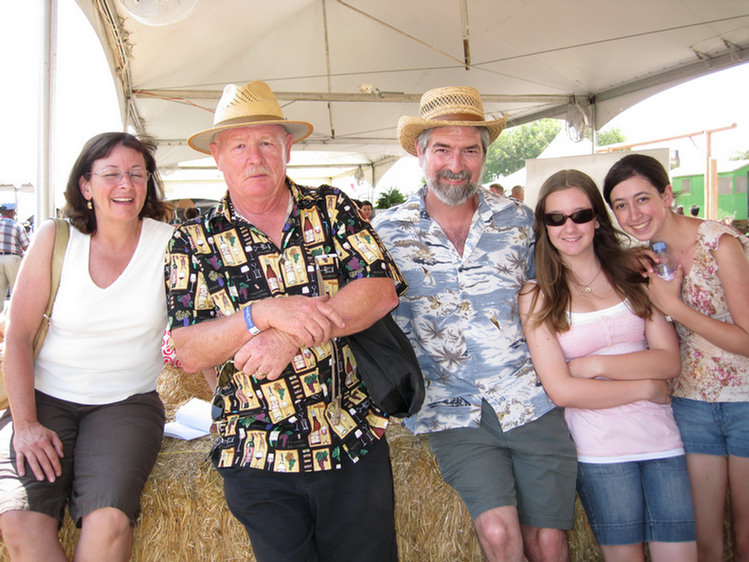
447,107
245,106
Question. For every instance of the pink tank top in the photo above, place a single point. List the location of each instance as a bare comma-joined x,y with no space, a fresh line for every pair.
637,431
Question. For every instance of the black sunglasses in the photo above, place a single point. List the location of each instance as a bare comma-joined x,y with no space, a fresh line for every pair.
578,217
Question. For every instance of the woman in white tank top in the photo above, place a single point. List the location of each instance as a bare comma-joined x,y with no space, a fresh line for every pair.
85,421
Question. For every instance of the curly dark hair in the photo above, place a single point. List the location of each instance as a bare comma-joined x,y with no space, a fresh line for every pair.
99,147
552,273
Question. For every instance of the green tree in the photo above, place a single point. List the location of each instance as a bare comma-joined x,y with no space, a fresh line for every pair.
389,198
509,152
610,136
740,156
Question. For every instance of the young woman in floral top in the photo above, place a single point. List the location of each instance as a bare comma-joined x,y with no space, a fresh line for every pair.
709,304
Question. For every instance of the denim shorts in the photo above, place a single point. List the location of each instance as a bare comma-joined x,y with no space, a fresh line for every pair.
639,501
532,467
713,428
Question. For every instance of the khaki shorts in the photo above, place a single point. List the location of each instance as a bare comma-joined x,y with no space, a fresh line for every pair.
109,451
532,467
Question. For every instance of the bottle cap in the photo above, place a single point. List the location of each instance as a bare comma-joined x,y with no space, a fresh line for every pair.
659,246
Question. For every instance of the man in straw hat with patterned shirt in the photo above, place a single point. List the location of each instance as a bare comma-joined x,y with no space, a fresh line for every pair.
465,252
260,291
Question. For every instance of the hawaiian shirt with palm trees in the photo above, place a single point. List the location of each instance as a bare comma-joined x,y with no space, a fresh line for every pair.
461,314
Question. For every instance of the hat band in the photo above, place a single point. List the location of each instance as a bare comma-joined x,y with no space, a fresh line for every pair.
456,117
249,119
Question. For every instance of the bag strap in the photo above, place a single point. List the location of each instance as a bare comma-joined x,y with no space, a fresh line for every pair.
62,234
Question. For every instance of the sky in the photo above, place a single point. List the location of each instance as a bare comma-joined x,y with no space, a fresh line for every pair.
87,102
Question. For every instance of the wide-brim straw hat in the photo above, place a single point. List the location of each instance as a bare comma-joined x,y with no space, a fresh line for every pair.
246,106
456,106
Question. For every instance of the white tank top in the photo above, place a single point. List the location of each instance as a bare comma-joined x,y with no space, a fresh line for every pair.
104,345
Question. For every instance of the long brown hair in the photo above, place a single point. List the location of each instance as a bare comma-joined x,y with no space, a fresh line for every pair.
552,274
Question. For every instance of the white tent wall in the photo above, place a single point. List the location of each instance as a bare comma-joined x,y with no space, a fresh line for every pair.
595,165
353,67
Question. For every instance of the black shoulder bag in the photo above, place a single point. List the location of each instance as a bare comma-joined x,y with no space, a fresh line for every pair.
387,364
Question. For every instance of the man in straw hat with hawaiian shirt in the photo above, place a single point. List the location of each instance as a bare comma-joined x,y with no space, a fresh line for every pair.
261,289
465,252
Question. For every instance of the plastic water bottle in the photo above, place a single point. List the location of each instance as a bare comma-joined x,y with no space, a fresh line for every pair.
666,266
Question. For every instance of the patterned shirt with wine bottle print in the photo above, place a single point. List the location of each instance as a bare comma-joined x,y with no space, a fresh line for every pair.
218,264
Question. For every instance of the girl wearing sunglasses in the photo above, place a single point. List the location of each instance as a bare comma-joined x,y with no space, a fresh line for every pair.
709,302
604,353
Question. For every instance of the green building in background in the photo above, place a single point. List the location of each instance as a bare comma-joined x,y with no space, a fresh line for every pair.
733,199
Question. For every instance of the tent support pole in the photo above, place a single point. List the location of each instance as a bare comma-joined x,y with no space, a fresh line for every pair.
45,193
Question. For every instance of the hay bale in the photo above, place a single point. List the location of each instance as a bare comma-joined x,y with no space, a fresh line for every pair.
580,540
431,521
184,514
176,387
185,518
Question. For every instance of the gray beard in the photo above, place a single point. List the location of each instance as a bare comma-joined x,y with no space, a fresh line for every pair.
453,196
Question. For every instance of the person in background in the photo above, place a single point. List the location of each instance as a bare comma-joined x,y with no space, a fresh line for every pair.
465,253
709,304
85,422
518,193
694,210
13,243
263,286
497,188
602,352
366,210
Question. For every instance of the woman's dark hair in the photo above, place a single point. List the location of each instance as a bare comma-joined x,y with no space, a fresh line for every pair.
636,165
99,147
552,274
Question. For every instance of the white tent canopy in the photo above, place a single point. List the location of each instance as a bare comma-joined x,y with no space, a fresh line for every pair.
351,67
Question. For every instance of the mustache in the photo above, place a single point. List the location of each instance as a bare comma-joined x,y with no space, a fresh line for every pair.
256,170
448,175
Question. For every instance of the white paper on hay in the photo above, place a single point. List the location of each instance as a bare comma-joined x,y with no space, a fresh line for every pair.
192,420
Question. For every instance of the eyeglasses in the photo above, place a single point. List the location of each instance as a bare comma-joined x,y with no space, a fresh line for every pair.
113,176
578,217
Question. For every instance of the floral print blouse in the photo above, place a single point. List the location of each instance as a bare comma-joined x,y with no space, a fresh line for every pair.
708,372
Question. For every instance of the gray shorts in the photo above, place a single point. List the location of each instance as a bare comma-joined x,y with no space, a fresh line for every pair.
109,451
532,467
